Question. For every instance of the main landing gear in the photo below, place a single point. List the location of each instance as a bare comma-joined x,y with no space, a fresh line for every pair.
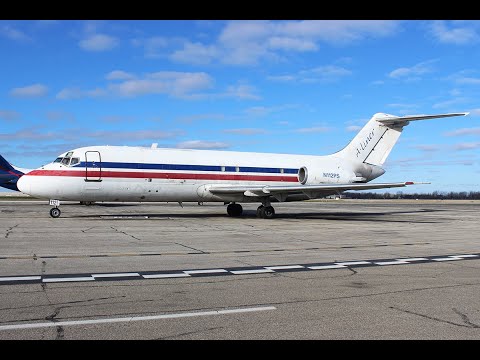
264,211
234,209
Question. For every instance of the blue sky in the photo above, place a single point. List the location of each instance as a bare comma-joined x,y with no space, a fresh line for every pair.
303,87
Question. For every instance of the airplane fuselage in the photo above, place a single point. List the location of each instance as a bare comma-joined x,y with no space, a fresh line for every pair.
120,173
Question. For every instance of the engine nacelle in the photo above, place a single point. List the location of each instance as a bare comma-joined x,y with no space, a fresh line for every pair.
314,176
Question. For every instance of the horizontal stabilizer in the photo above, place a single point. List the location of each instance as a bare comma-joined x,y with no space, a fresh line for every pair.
392,120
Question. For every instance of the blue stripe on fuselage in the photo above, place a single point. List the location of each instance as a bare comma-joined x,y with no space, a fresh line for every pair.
144,166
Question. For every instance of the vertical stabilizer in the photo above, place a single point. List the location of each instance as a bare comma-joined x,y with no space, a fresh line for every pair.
376,139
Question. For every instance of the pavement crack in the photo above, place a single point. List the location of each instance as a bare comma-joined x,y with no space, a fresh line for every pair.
465,319
429,317
9,230
123,232
191,248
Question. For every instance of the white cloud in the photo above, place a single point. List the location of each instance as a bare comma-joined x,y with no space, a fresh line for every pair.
196,53
153,46
464,131
467,146
245,131
293,44
98,42
13,34
427,148
412,73
317,129
9,115
448,103
178,84
242,91
119,75
133,135
354,128
76,93
201,144
31,91
249,42
453,35
320,74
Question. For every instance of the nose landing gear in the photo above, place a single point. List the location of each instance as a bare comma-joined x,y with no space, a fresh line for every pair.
55,212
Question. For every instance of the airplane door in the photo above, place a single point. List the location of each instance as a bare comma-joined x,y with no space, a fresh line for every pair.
93,166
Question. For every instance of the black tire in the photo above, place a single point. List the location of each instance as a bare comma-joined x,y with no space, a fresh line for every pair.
259,211
55,212
268,212
234,209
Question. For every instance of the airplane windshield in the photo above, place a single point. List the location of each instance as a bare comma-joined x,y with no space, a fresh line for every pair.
67,160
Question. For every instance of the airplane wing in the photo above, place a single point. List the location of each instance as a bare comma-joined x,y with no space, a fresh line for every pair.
280,192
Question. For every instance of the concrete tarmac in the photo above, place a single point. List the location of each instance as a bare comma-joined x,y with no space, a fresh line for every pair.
337,269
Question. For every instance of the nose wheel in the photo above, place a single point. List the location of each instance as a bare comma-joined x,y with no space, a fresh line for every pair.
55,212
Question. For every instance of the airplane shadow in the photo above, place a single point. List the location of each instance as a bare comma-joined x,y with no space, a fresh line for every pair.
384,216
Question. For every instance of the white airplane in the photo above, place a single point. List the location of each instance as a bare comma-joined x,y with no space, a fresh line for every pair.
124,173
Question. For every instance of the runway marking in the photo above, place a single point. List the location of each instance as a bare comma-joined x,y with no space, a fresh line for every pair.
160,276
115,275
68,256
348,263
285,267
136,318
212,271
253,270
20,278
395,262
324,267
67,279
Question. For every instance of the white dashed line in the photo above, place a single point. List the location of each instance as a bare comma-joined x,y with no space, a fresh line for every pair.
392,262
256,271
353,263
324,267
447,259
115,275
285,267
212,271
412,259
20,278
69,279
161,276
129,319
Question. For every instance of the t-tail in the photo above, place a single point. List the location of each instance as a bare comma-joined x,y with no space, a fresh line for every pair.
10,174
371,146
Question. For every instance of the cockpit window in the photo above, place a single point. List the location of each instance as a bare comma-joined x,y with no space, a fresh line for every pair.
74,161
66,159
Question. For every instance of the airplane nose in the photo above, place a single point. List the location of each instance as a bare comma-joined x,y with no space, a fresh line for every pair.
24,184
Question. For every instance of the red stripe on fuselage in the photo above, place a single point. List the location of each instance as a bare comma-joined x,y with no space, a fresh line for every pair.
156,175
